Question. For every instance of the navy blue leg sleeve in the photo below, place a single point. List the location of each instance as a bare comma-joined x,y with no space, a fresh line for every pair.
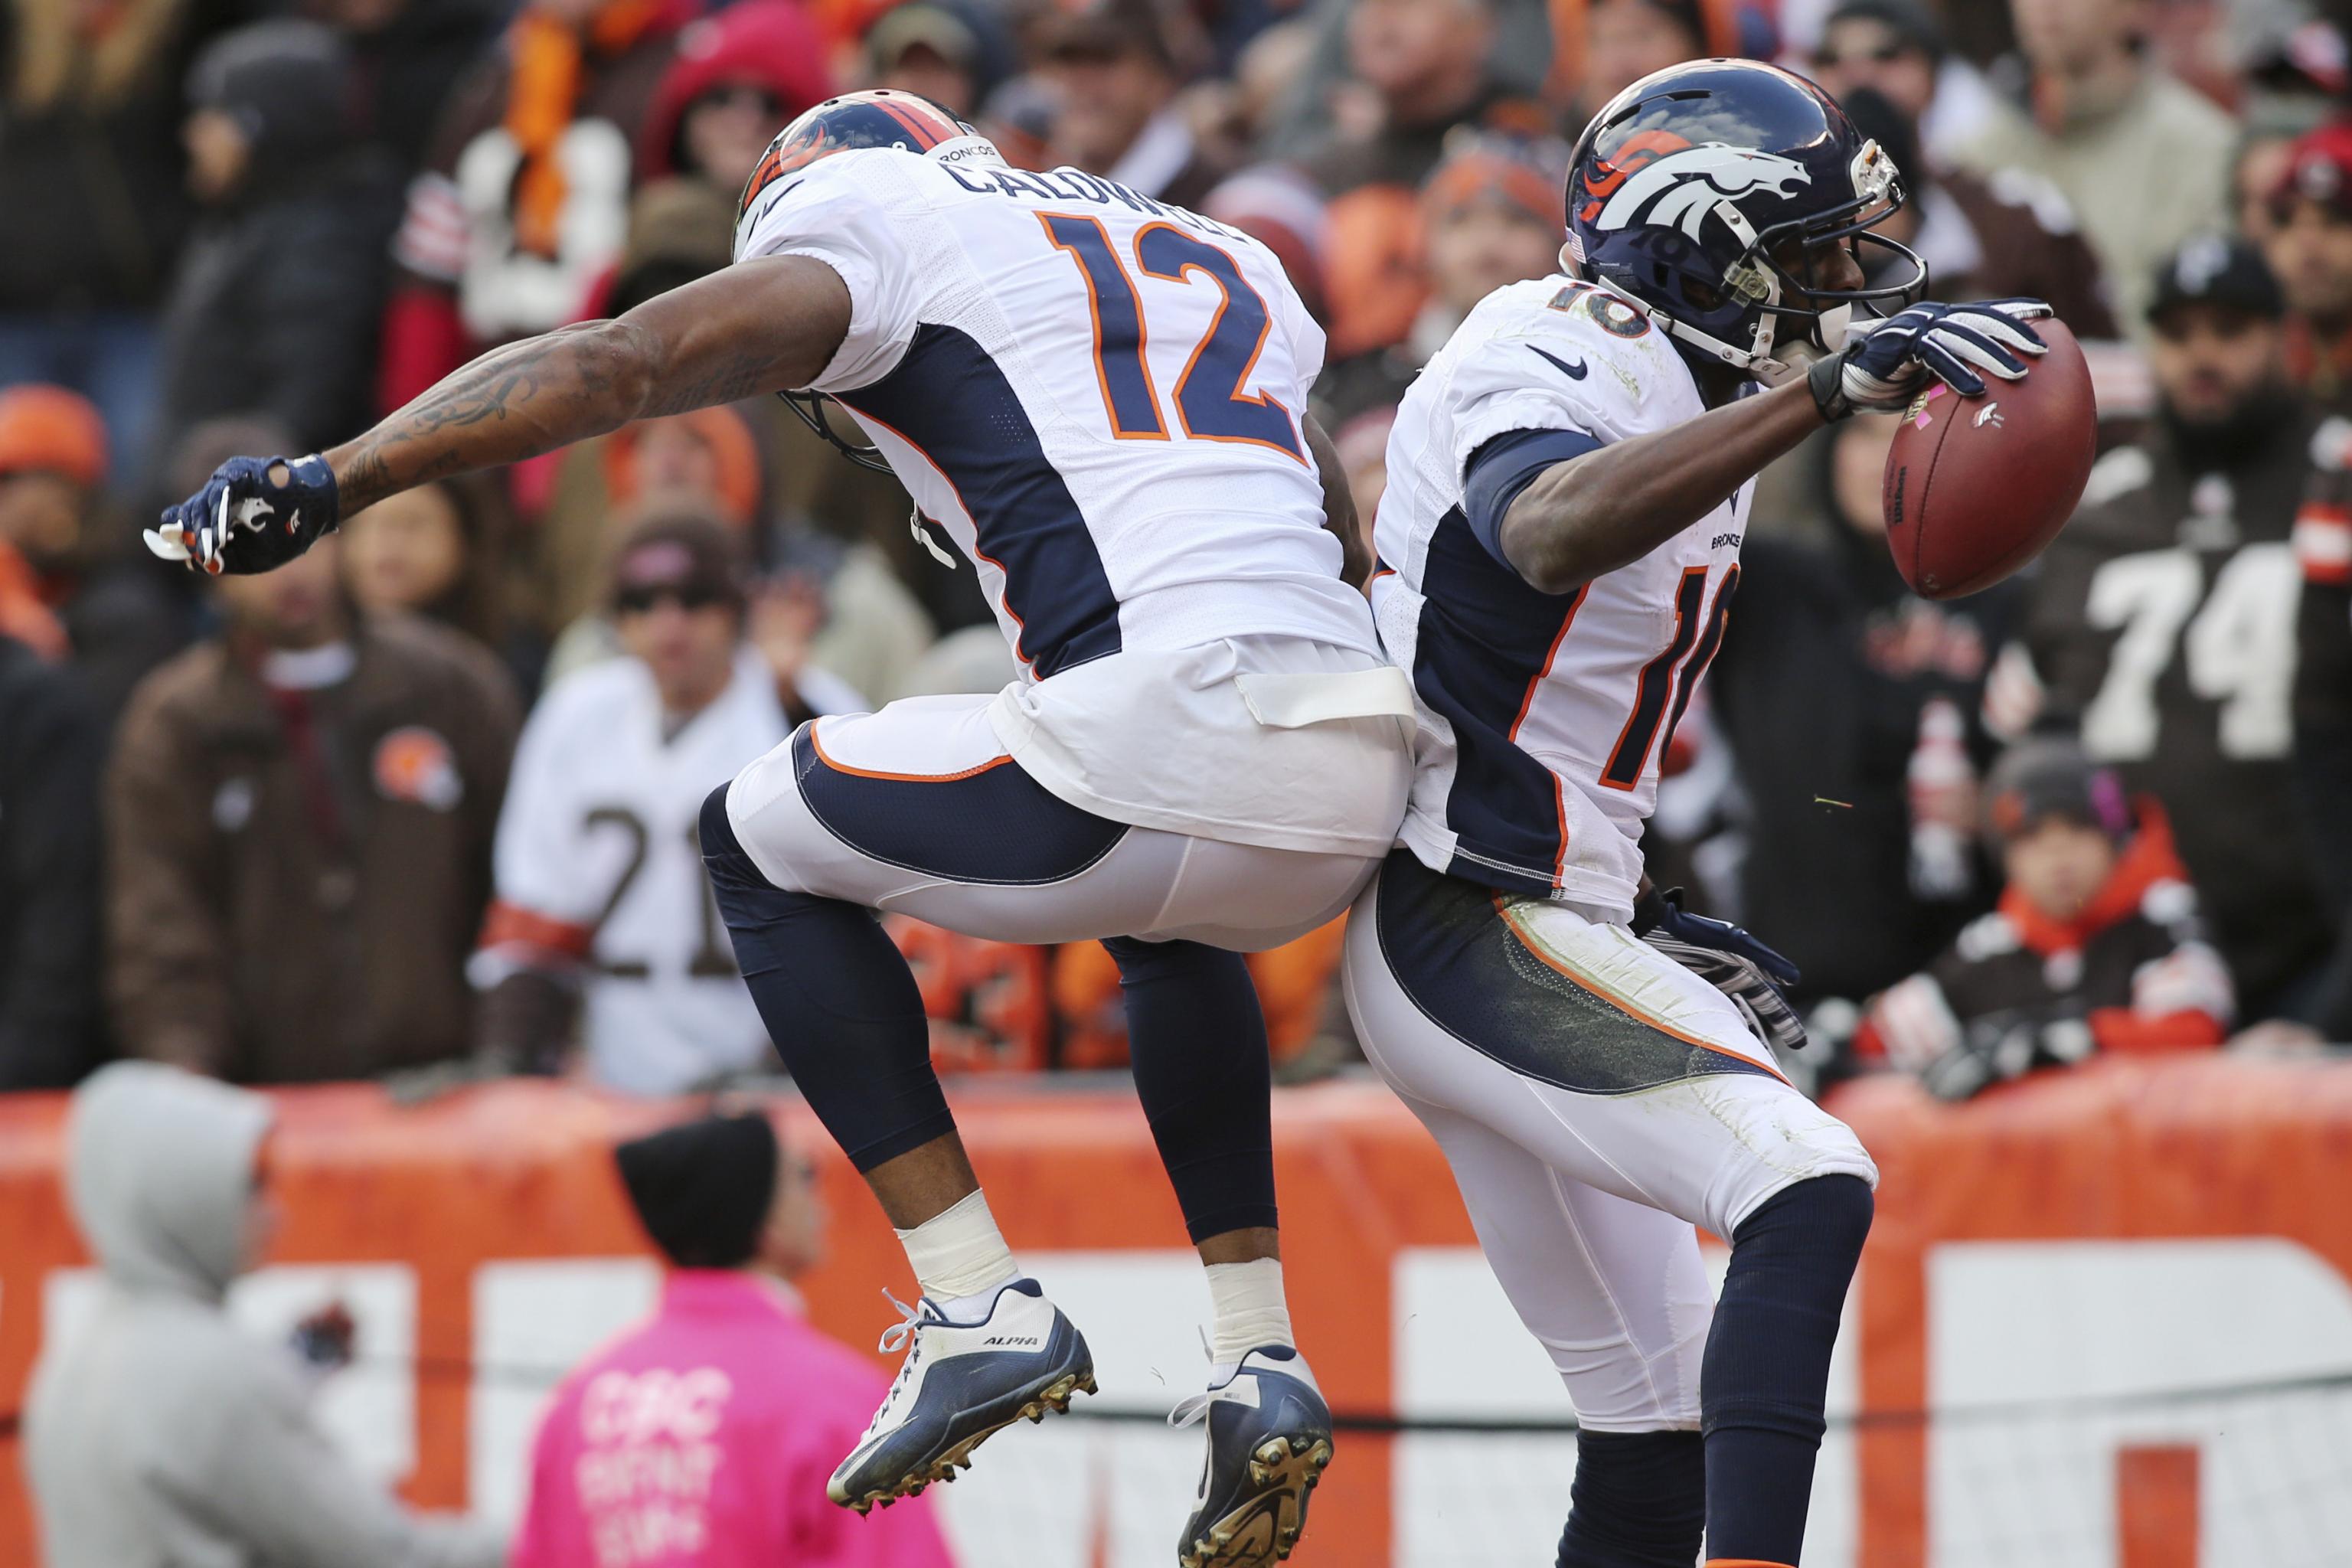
838,1001
1639,1501
1197,1040
1768,1364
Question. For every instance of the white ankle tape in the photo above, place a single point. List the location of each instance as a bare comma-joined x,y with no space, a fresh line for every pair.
959,1252
1249,1311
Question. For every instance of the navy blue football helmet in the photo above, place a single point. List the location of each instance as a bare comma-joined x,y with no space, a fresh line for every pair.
878,117
1702,190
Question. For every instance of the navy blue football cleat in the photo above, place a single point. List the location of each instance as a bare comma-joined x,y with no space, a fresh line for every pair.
1269,1439
960,1385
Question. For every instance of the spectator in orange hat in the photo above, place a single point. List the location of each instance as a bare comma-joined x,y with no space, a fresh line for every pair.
708,460
65,587
52,460
2309,247
1490,215
707,453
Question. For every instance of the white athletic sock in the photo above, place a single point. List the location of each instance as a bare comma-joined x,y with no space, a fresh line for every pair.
957,1255
1249,1311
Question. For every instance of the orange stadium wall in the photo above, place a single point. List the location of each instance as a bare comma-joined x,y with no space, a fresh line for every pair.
2050,1266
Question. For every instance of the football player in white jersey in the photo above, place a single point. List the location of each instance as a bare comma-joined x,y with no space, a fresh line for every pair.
1097,398
1568,483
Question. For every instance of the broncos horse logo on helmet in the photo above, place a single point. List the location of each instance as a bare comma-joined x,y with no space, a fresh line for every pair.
1681,188
879,118
1702,190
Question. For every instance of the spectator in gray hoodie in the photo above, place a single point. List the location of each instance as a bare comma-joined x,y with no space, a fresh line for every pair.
156,1433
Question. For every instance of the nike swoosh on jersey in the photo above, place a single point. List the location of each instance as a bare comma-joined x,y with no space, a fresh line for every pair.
1573,372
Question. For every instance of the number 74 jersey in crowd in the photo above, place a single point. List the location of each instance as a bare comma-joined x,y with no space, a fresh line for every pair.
1096,395
1542,716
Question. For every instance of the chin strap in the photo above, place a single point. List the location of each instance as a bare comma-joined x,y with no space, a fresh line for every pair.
809,408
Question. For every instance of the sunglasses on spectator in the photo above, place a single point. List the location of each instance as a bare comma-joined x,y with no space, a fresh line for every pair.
1884,55
639,601
742,95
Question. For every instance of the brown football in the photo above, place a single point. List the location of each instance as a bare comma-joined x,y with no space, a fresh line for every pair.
1975,487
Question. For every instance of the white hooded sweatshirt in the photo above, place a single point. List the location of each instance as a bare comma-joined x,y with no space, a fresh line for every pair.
157,1435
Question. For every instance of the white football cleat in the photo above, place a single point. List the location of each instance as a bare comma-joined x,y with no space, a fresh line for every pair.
960,1384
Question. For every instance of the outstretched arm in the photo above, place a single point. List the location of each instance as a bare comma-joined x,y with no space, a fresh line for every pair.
1592,513
763,326
1588,516
768,325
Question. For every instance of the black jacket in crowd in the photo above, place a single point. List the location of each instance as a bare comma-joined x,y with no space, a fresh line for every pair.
2322,745
1827,661
2162,625
52,746
273,310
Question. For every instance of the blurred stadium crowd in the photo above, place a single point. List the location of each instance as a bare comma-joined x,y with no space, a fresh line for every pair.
419,807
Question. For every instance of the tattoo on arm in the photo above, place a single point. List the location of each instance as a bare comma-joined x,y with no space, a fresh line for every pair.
754,327
742,376
512,402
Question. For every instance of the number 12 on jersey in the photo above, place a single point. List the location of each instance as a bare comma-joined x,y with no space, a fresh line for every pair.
1210,403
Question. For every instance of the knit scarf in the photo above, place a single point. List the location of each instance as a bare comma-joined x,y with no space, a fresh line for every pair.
542,98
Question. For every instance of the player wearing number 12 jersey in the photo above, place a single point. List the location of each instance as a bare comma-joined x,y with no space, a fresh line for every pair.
1098,398
1569,483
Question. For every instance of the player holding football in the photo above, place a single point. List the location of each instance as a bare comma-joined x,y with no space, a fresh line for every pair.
1569,481
1093,394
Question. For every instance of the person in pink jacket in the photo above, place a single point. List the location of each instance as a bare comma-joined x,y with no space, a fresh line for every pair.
702,1438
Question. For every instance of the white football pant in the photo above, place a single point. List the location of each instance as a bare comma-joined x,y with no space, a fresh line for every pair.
1596,1100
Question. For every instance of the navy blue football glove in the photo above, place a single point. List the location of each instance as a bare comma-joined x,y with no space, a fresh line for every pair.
1729,959
1885,363
253,514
